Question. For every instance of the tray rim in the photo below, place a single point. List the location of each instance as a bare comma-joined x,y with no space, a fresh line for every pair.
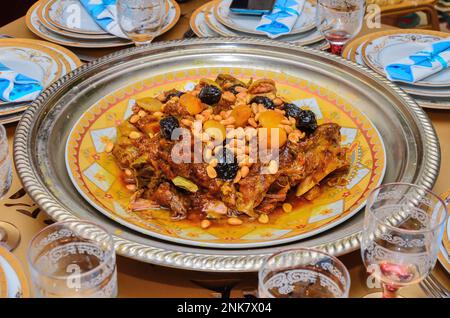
204,261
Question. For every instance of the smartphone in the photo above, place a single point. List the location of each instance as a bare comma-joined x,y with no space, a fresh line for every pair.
252,7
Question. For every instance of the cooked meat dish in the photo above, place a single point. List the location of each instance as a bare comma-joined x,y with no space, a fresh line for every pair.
218,170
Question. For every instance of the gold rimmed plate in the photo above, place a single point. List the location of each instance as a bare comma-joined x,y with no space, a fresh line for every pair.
72,9
383,48
16,280
247,24
41,60
70,15
198,22
37,27
305,38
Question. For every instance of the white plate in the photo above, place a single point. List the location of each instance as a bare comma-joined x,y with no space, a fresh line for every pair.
198,23
61,14
386,49
248,24
305,38
421,94
32,63
17,284
35,25
43,8
38,59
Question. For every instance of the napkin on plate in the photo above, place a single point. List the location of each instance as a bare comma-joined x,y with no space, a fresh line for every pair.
104,12
16,87
282,18
433,58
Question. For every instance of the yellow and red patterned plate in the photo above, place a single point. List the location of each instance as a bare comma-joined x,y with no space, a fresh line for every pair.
96,175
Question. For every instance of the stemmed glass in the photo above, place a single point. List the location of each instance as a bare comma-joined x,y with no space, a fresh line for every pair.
339,21
141,20
9,234
73,259
402,231
303,273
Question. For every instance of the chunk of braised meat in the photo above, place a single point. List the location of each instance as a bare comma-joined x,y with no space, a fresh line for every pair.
172,107
167,196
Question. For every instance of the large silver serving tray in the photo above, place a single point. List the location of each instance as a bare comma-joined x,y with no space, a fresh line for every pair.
412,148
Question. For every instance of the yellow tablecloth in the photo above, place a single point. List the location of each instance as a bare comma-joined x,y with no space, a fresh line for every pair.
145,280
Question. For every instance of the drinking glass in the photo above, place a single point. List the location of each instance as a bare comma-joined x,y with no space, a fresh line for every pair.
141,20
73,259
9,234
402,231
339,21
303,273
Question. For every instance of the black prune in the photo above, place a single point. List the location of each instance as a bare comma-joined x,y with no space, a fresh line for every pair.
227,168
292,110
306,121
210,94
265,101
168,125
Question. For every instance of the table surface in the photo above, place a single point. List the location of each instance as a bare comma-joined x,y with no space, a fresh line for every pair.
136,279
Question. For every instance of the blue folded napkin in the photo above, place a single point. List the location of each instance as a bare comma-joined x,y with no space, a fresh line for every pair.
282,18
104,12
16,87
431,59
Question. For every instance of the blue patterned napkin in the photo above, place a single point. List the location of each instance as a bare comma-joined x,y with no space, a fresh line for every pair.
432,59
16,87
104,12
282,18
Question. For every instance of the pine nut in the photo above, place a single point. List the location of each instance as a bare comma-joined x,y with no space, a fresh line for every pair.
205,224
128,172
273,167
214,162
234,221
287,207
187,122
238,177
134,135
277,101
109,147
211,172
244,171
131,187
158,114
217,117
263,218
134,119
142,113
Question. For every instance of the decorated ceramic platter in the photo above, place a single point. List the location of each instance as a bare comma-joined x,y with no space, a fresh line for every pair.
384,48
17,285
247,24
97,177
324,82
